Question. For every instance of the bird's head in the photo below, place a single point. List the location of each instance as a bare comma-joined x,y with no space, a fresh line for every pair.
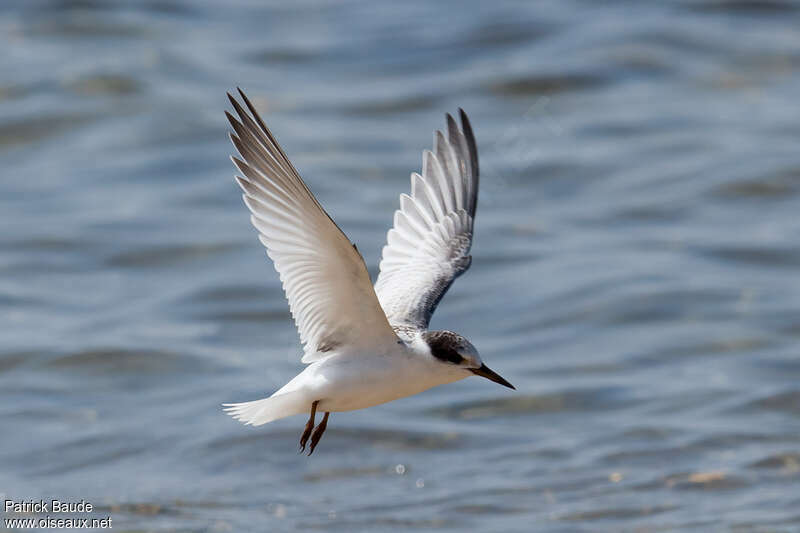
453,349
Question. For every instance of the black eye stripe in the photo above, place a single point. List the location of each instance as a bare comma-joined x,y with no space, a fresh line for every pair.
447,354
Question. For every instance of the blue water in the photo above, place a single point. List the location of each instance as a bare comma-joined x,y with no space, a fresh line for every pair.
635,269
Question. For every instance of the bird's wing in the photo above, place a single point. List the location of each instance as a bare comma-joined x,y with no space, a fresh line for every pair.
325,279
428,247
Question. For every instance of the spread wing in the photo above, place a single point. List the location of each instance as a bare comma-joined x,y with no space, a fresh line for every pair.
428,247
325,279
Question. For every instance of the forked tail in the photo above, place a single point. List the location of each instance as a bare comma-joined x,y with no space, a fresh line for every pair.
260,412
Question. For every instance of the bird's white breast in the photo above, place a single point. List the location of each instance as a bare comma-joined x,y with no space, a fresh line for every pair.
346,382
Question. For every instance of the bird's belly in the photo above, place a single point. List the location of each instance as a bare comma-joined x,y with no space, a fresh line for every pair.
350,386
362,397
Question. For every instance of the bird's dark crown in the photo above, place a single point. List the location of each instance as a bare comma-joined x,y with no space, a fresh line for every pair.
445,345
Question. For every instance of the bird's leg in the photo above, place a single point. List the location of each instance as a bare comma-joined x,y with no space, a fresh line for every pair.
309,427
318,433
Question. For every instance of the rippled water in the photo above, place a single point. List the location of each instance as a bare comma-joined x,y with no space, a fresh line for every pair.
635,263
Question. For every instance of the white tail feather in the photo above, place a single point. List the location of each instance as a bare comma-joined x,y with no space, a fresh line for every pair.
260,412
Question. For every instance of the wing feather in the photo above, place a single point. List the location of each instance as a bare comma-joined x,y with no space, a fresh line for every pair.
324,277
428,247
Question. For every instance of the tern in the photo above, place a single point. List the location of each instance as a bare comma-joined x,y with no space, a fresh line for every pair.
364,345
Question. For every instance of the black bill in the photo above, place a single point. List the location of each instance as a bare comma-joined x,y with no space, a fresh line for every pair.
486,372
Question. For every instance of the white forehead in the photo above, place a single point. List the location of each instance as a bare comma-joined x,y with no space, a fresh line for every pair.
470,354
467,349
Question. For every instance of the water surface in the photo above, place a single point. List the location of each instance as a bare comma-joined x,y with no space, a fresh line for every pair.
635,262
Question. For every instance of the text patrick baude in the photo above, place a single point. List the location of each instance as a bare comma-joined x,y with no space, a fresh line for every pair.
43,506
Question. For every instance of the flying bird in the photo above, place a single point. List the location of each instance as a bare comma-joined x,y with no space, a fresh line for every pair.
364,345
